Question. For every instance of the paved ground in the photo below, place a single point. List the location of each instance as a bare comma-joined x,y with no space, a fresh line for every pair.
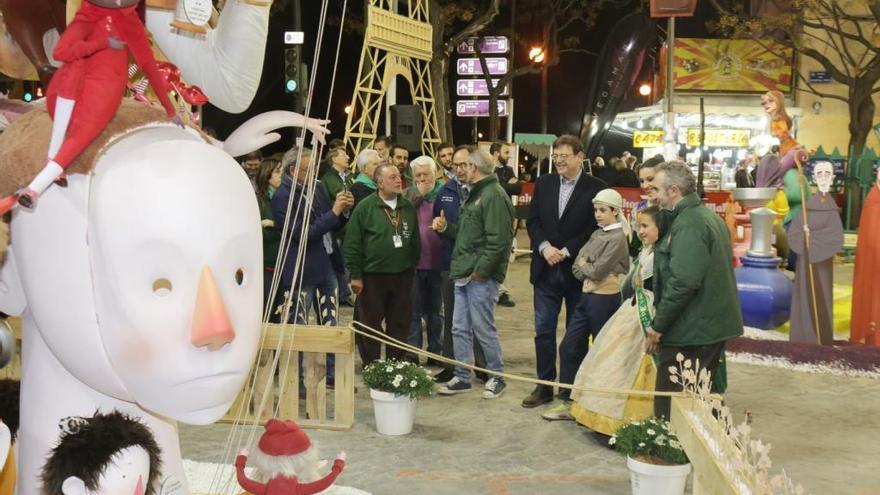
824,430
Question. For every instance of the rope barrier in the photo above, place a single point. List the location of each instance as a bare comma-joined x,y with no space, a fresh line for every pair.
380,336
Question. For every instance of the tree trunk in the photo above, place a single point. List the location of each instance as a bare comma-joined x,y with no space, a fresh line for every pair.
861,117
442,103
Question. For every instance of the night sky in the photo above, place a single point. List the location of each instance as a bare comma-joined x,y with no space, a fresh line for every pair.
569,81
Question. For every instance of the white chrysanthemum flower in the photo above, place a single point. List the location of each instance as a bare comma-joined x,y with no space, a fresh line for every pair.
651,431
413,383
400,366
612,440
389,369
679,357
641,444
674,444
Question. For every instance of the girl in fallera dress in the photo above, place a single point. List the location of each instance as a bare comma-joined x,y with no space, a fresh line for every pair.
617,357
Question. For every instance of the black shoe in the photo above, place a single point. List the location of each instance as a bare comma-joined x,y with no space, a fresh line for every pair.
541,395
444,376
505,301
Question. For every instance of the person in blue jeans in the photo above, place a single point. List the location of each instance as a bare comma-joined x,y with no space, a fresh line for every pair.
561,219
601,265
483,237
426,290
313,278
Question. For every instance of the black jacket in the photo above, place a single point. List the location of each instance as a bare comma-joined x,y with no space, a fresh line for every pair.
570,231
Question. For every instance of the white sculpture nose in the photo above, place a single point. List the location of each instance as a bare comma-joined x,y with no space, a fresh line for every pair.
211,326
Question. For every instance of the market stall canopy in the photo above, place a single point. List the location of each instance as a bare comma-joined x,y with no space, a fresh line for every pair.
538,145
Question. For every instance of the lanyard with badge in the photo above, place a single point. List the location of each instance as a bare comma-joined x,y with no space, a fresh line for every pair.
395,222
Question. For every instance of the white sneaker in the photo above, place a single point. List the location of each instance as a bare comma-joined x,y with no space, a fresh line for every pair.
494,388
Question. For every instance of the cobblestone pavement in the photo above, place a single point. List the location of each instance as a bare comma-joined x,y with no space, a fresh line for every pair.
823,428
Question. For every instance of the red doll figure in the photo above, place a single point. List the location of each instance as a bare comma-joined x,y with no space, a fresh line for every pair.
287,463
87,90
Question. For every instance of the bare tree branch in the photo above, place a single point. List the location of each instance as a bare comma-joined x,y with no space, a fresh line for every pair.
478,24
813,90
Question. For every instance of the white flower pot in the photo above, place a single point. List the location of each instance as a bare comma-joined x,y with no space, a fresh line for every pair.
394,414
653,479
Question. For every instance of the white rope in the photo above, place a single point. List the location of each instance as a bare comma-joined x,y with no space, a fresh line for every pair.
303,208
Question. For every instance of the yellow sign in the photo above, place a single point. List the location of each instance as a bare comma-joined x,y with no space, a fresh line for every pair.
720,65
727,138
647,139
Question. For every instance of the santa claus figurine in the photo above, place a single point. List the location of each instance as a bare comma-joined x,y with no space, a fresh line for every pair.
287,463
86,91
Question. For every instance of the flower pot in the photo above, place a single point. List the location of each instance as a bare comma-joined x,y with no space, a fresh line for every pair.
655,479
394,414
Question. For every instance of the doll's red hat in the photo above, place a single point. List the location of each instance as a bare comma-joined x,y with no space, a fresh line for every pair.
283,437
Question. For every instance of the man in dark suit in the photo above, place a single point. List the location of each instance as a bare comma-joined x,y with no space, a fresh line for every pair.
560,222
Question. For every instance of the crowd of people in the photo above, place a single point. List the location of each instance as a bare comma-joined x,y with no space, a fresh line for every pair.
424,246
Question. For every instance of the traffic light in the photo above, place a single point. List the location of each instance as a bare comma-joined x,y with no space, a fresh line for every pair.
291,69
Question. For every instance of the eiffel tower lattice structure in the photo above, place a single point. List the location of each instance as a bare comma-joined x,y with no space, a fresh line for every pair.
394,45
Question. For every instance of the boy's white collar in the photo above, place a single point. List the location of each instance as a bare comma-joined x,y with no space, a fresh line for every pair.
612,226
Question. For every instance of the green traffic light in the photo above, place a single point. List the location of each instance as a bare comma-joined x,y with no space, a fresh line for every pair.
290,85
28,97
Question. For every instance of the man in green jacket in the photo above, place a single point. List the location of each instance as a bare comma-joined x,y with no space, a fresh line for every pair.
695,295
381,250
483,238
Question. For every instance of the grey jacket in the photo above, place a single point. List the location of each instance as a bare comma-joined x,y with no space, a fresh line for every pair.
606,253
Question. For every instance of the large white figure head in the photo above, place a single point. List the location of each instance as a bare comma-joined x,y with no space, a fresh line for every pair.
145,278
175,248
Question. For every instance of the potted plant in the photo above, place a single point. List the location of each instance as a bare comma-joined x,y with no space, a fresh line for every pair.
657,463
394,387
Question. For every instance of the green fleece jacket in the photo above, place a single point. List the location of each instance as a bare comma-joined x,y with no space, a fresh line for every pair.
369,237
695,291
484,233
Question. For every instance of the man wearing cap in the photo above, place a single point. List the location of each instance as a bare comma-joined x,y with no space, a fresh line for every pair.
283,448
561,219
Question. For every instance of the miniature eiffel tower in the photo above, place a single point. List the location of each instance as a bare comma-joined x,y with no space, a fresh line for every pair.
394,45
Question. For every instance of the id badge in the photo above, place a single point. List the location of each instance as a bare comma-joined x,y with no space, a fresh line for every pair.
398,241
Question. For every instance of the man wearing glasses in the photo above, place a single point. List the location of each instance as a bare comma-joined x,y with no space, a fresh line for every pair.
449,201
560,222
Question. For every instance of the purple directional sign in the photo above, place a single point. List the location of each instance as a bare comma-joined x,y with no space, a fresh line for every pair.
489,44
476,87
478,108
472,66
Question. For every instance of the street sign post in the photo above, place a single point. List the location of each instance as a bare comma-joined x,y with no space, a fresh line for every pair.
472,66
476,87
478,108
488,44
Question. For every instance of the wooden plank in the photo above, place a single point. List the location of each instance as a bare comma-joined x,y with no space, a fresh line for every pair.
288,393
709,476
309,338
343,412
315,364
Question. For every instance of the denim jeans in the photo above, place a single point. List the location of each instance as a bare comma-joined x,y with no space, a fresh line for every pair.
593,311
426,303
474,318
549,293
323,298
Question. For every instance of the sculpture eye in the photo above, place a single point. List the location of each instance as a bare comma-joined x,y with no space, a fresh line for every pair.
162,287
239,277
